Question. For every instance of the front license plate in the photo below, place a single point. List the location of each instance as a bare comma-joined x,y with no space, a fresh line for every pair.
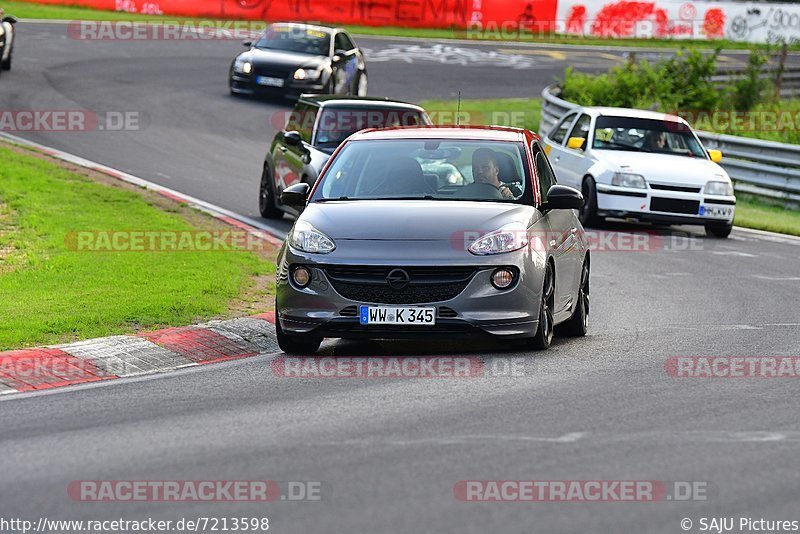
715,211
269,81
411,316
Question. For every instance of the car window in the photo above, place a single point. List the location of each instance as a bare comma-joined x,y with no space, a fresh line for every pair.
559,133
302,119
544,173
629,134
337,123
295,39
343,42
428,170
581,128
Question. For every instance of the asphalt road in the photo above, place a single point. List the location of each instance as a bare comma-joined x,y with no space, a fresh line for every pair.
388,452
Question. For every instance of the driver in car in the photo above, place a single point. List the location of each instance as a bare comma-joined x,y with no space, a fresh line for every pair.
485,170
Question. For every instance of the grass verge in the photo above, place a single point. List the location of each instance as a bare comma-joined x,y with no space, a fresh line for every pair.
53,292
763,214
32,10
751,211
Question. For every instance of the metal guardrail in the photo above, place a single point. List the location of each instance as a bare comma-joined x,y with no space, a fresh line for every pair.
764,168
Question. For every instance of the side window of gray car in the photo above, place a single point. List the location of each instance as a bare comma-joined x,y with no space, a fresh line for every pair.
559,133
302,119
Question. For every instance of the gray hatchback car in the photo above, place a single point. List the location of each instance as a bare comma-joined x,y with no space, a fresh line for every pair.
433,231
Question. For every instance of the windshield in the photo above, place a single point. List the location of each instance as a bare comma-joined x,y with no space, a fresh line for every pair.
646,135
295,39
338,123
427,169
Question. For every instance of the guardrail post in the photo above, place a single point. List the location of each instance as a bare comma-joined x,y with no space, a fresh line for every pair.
781,70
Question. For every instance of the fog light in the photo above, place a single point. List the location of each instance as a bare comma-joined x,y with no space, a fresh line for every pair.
301,277
503,278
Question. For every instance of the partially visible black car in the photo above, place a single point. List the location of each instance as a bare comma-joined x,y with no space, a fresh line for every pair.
6,40
291,59
314,130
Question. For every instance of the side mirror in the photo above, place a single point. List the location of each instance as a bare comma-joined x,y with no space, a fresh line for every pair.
10,19
247,44
715,155
561,197
295,196
576,143
338,55
292,138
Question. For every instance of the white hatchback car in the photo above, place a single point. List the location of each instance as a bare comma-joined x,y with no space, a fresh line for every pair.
641,165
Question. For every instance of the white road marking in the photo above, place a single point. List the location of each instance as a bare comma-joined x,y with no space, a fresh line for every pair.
459,440
734,253
778,278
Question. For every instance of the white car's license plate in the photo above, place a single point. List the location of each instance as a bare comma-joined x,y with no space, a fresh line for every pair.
411,316
714,211
269,81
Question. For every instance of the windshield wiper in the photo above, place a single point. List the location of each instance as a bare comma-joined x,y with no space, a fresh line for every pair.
334,199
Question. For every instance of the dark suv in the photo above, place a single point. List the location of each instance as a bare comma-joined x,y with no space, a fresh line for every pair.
314,130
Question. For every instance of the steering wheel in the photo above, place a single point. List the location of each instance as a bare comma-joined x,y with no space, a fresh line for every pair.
479,190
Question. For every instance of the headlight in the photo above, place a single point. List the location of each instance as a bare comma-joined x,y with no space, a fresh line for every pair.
721,189
243,66
626,179
499,242
306,74
306,238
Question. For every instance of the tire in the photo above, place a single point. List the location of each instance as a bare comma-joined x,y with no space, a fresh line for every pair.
544,333
266,197
720,231
6,65
588,213
362,84
578,324
303,346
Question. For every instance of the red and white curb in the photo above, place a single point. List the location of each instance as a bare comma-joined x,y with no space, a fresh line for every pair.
116,357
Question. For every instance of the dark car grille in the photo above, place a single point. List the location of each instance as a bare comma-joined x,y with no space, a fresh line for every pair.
274,72
426,284
680,188
672,205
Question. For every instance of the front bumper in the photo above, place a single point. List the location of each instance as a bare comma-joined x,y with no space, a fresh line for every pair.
663,206
246,84
480,310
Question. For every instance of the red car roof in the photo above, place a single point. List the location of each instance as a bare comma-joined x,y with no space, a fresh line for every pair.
488,133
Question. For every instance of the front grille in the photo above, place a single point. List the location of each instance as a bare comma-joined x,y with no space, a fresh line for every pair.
447,313
673,205
274,72
350,311
679,188
426,284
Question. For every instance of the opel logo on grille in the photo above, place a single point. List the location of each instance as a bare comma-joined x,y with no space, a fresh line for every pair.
398,279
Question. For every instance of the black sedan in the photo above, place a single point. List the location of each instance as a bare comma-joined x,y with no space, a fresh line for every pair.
290,59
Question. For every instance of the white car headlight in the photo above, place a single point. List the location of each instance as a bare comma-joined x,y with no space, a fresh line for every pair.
306,238
721,189
306,74
626,179
504,240
244,66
